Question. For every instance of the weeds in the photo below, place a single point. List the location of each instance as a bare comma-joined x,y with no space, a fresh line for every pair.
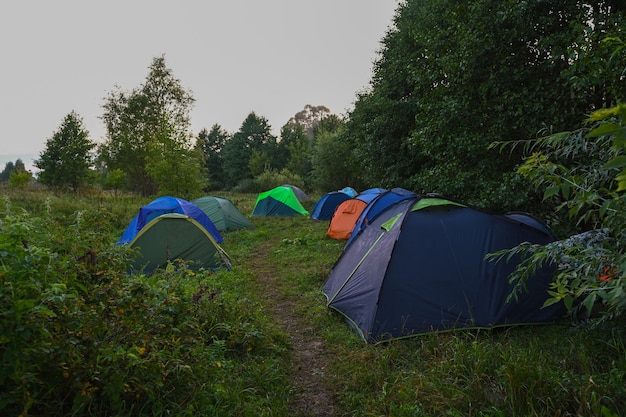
80,337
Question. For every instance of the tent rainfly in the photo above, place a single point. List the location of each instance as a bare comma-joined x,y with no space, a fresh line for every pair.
279,201
165,205
421,266
223,213
175,236
326,206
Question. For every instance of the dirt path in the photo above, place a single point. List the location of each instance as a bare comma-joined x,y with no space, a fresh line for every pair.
312,396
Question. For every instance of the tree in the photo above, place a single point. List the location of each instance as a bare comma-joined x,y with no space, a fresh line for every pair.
333,162
115,180
174,165
249,151
580,171
9,167
295,148
67,159
20,178
148,134
211,144
298,139
453,77
16,174
310,117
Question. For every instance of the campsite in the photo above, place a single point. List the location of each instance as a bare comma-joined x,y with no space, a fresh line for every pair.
259,339
450,243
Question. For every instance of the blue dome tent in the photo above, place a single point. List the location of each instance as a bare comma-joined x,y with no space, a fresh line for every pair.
421,266
165,205
326,206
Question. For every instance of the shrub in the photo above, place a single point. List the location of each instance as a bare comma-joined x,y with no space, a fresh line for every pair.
79,336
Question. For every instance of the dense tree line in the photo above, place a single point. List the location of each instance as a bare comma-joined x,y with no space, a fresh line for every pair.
455,76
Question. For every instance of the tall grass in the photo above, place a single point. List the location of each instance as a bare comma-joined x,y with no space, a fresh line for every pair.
213,348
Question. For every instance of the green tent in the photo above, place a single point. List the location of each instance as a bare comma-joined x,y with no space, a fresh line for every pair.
175,236
279,201
223,213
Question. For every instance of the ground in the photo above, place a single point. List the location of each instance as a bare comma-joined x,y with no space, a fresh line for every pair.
312,396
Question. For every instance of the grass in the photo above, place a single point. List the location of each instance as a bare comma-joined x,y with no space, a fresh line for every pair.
564,369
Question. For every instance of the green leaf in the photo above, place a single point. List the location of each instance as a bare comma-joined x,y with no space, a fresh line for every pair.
617,162
550,301
569,302
604,130
589,301
551,191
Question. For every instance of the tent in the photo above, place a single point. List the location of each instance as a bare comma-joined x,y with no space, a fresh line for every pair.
349,190
223,213
374,191
164,205
279,201
347,213
326,206
381,202
300,195
420,267
175,236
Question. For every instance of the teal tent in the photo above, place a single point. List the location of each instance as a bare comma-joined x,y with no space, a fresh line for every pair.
279,201
223,213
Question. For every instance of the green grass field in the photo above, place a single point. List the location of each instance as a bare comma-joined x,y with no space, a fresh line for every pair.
259,340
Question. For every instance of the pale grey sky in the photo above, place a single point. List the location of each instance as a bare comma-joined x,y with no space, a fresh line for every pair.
236,56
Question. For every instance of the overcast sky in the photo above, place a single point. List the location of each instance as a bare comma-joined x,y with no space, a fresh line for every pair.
236,56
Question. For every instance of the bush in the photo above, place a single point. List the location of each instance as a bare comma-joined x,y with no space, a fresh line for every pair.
267,180
78,336
584,174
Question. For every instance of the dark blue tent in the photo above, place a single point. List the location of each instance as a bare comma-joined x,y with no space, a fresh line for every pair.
166,205
325,206
380,203
420,266
374,191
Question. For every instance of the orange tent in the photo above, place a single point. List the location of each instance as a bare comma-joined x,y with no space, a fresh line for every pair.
344,219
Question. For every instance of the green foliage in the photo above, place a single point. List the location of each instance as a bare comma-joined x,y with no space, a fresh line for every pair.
271,179
20,178
267,180
10,168
581,173
176,168
66,159
453,77
148,135
197,343
334,164
80,337
250,151
115,180
297,146
210,145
